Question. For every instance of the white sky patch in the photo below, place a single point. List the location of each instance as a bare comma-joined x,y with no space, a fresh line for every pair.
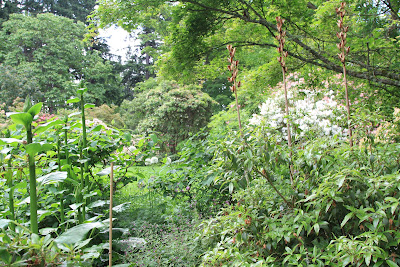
119,40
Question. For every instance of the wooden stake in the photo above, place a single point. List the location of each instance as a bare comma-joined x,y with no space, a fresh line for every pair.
111,205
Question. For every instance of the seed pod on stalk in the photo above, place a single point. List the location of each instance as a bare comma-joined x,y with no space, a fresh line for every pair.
281,59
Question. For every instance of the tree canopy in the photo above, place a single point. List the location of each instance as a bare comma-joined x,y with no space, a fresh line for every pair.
201,28
47,51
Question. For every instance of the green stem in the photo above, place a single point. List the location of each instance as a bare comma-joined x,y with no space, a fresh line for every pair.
11,193
82,208
85,182
32,184
62,218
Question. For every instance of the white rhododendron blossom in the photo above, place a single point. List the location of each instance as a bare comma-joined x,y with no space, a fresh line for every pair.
151,161
309,114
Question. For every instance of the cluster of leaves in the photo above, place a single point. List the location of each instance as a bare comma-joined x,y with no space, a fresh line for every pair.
67,195
169,109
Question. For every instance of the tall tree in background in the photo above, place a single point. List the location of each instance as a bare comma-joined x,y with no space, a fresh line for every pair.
48,49
77,10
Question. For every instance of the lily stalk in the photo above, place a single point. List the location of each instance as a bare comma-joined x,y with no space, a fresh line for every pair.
344,51
282,56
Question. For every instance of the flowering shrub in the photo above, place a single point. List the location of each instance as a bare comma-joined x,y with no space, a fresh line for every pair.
310,115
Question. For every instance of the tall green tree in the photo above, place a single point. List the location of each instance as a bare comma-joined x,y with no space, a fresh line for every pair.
165,107
78,10
49,50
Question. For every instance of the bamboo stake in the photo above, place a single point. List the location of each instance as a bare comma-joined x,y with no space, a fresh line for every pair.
111,205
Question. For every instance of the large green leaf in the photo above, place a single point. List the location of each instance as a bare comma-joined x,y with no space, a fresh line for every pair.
52,178
22,118
88,105
4,141
73,100
42,128
77,233
35,109
4,223
34,148
81,91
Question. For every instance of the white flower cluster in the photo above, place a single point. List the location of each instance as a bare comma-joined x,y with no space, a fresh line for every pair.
307,114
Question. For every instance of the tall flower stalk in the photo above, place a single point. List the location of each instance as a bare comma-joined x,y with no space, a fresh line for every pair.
282,56
344,51
26,118
233,68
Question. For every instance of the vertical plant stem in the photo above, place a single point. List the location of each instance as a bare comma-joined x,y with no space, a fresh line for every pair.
85,181
282,55
347,105
84,138
288,125
32,185
344,51
81,213
233,68
111,206
238,113
62,217
11,193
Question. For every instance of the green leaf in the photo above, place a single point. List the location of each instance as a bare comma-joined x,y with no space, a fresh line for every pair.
34,148
81,91
316,228
22,118
4,223
42,128
346,218
89,105
52,178
391,263
27,104
35,109
4,141
77,233
73,100
230,188
74,114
